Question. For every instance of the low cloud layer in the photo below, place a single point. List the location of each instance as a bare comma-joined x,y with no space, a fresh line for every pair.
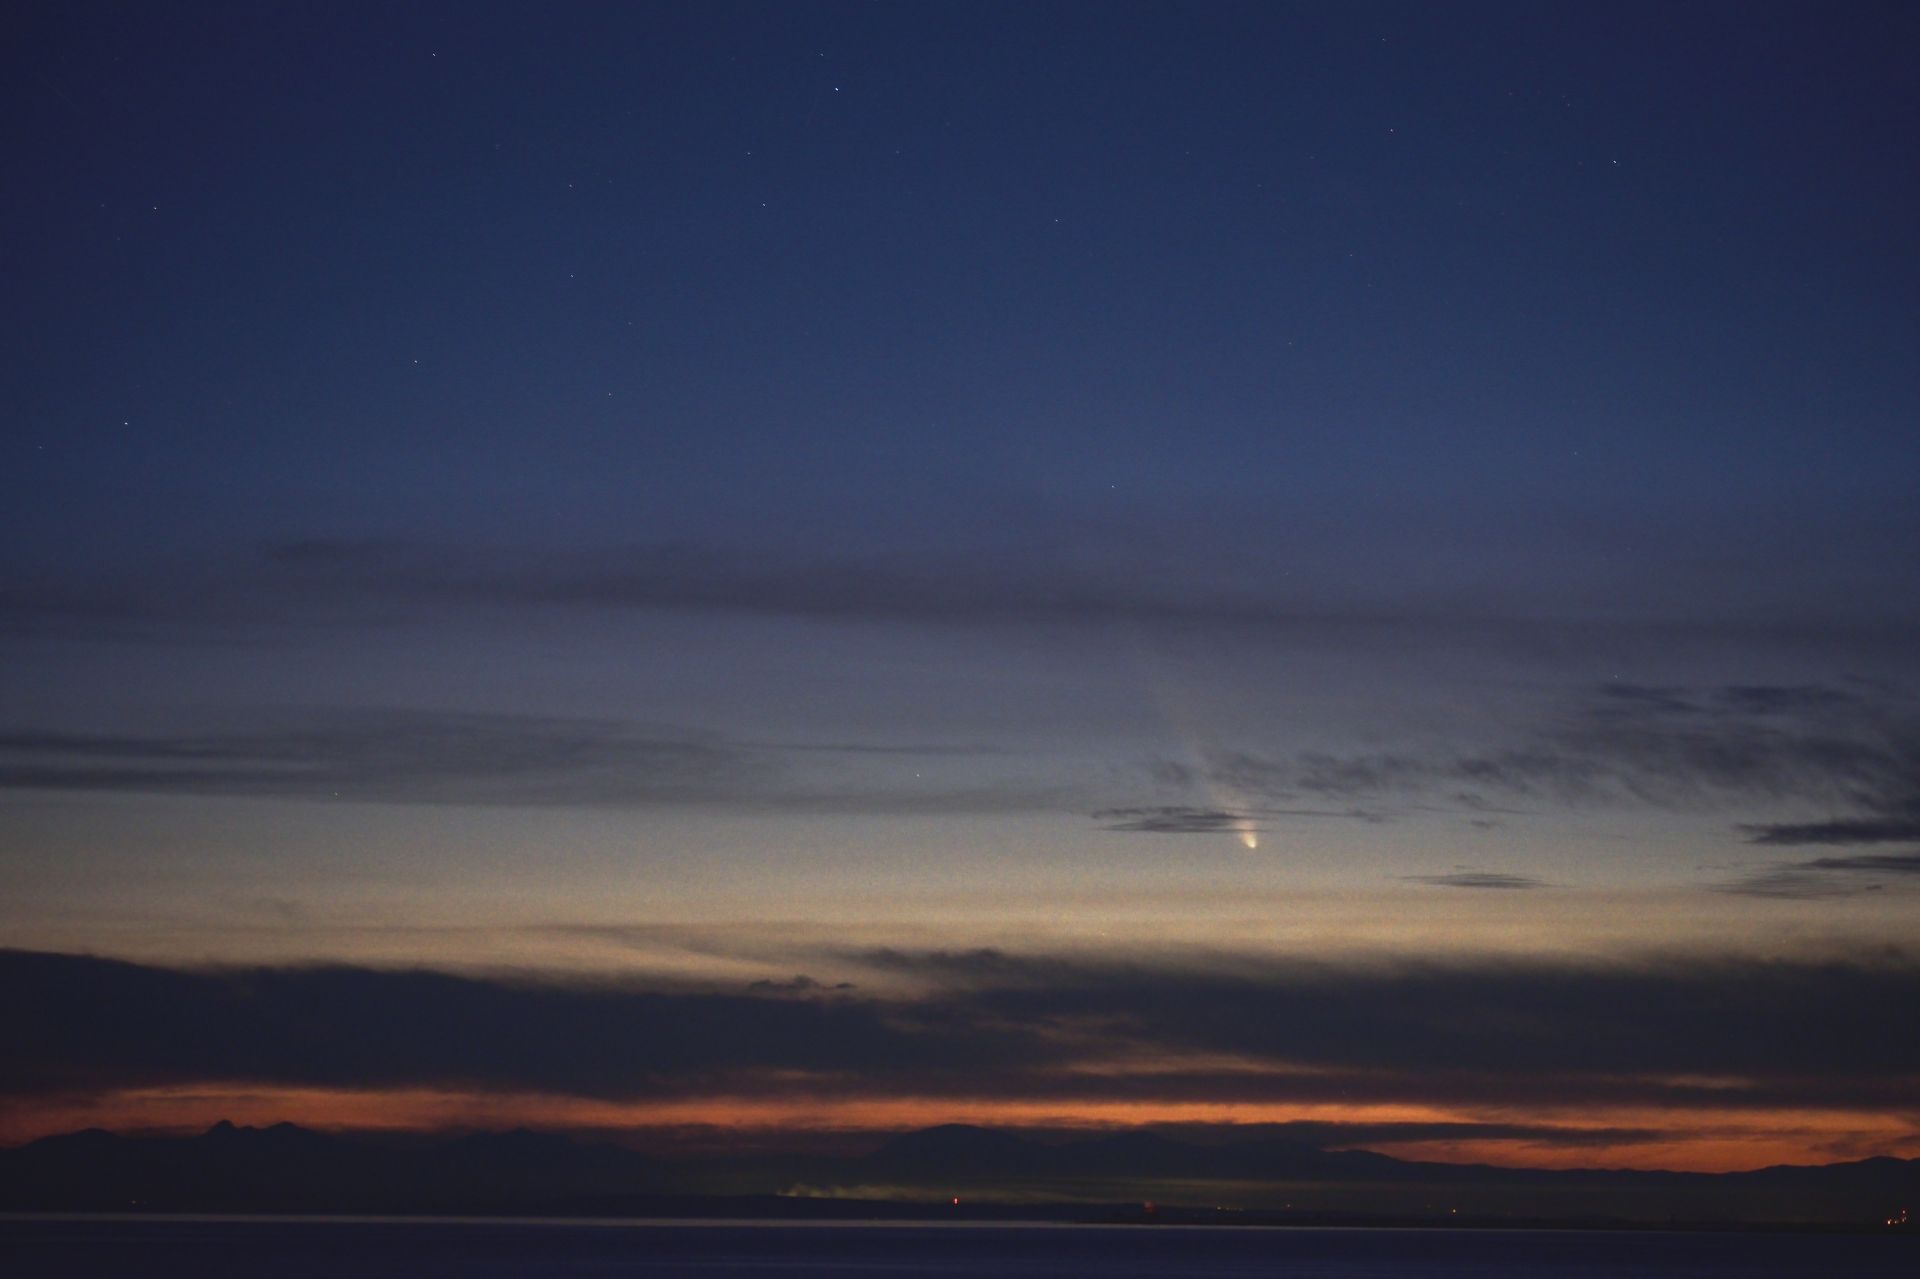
1725,1032
1335,1136
82,1023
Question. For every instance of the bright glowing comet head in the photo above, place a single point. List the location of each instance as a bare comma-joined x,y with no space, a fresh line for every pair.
1249,837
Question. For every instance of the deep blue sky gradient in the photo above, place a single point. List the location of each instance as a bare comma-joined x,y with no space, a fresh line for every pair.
873,275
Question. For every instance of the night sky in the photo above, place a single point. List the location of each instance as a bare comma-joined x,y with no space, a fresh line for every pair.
777,569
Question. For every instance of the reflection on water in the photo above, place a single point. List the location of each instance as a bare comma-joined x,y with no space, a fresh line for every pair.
84,1248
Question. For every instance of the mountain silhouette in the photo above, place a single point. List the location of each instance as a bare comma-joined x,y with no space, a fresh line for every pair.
285,1168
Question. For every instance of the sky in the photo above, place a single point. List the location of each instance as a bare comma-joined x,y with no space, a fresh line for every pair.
756,570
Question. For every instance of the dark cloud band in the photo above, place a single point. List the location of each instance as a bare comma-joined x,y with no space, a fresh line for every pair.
1725,1033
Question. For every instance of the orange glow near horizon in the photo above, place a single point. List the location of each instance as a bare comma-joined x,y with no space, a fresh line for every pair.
1696,1140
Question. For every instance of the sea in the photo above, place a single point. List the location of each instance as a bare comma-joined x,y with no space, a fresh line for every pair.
299,1248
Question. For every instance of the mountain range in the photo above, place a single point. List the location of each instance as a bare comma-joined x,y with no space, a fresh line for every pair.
947,1170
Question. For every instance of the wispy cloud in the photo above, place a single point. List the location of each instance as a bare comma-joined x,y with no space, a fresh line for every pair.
1477,879
1828,876
1870,863
334,581
399,756
1670,748
1859,830
1183,819
357,581
1173,819
439,757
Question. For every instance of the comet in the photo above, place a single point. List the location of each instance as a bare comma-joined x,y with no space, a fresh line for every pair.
1162,694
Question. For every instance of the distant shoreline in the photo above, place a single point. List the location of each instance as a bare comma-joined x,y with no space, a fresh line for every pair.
985,1216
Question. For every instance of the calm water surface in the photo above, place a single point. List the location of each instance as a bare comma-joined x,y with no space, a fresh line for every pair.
283,1249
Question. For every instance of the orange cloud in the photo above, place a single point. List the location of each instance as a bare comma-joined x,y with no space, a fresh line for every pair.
1689,1139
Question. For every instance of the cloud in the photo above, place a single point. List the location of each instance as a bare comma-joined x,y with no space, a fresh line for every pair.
798,984
1183,819
440,757
1664,747
1173,819
1873,863
396,756
1725,1032
1339,1136
1790,884
335,581
1732,1017
1827,876
1776,699
1860,830
1477,879
92,1023
325,581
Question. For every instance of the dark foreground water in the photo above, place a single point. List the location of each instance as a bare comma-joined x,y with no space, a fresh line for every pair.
282,1249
